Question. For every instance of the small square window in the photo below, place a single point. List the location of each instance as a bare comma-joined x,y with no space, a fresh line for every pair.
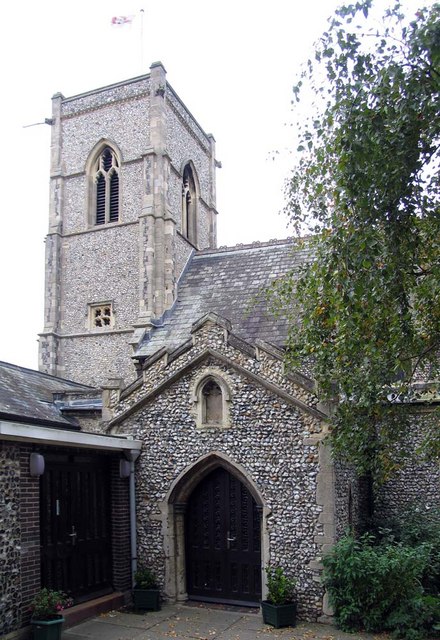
101,316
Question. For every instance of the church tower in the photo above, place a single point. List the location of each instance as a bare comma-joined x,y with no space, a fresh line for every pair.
132,195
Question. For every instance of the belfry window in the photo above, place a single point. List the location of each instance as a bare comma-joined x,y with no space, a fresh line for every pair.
189,205
106,181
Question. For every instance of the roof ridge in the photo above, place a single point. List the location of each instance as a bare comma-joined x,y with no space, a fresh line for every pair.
251,245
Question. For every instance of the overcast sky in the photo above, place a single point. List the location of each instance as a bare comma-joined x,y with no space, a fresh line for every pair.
233,63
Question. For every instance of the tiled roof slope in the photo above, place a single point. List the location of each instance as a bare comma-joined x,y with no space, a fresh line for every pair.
229,281
27,395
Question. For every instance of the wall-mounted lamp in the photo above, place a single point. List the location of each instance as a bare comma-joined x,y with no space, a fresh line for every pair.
124,468
36,464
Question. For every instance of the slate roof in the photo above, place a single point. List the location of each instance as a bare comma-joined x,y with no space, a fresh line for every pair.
27,396
229,281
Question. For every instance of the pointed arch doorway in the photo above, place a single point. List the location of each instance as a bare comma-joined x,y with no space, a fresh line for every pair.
223,541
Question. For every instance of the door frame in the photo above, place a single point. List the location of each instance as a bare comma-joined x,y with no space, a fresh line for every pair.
221,500
73,462
173,519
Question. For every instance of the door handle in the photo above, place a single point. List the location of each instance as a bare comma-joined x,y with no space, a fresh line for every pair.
73,536
229,540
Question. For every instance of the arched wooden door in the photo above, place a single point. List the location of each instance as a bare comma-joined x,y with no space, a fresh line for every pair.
223,541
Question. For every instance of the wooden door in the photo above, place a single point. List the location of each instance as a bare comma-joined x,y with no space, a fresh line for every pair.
223,532
75,525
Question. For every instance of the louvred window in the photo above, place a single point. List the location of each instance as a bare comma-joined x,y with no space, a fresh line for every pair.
106,180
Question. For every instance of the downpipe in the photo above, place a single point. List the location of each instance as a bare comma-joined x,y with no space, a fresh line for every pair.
132,456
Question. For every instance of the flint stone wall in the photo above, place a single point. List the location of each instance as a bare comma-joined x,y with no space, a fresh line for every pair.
417,484
107,255
126,124
257,361
275,442
97,357
186,141
75,194
266,437
353,500
182,253
86,102
10,583
122,262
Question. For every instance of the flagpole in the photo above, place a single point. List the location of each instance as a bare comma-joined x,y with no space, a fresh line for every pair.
142,40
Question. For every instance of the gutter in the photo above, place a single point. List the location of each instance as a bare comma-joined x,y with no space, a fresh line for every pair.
65,438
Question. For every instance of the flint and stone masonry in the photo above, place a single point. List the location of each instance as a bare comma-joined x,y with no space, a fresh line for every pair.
134,263
189,358
10,579
271,440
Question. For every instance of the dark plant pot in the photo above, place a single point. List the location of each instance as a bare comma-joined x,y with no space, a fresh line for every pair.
146,599
279,615
47,629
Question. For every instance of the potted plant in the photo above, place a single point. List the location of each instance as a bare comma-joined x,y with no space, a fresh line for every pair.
279,610
146,591
47,617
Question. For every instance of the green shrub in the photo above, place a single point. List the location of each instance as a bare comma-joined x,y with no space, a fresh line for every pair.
280,588
415,618
413,528
368,584
145,578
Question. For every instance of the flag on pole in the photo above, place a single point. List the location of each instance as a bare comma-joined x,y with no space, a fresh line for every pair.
119,21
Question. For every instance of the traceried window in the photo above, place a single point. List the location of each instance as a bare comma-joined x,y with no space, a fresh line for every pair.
189,205
101,316
106,184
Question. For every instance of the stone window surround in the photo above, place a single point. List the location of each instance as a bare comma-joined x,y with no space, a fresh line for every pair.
103,306
190,218
91,172
197,401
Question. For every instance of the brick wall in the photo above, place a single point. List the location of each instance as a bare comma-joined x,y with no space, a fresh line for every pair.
20,575
30,532
120,529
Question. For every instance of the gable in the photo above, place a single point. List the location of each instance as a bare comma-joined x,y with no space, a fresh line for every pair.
213,345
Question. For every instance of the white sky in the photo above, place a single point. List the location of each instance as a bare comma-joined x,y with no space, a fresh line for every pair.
233,63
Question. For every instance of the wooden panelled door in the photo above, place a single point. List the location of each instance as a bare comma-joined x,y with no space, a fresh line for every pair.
76,526
223,540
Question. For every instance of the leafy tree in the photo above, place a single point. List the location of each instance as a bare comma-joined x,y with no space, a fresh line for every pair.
366,187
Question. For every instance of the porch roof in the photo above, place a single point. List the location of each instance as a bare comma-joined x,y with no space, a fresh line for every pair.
31,396
23,432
